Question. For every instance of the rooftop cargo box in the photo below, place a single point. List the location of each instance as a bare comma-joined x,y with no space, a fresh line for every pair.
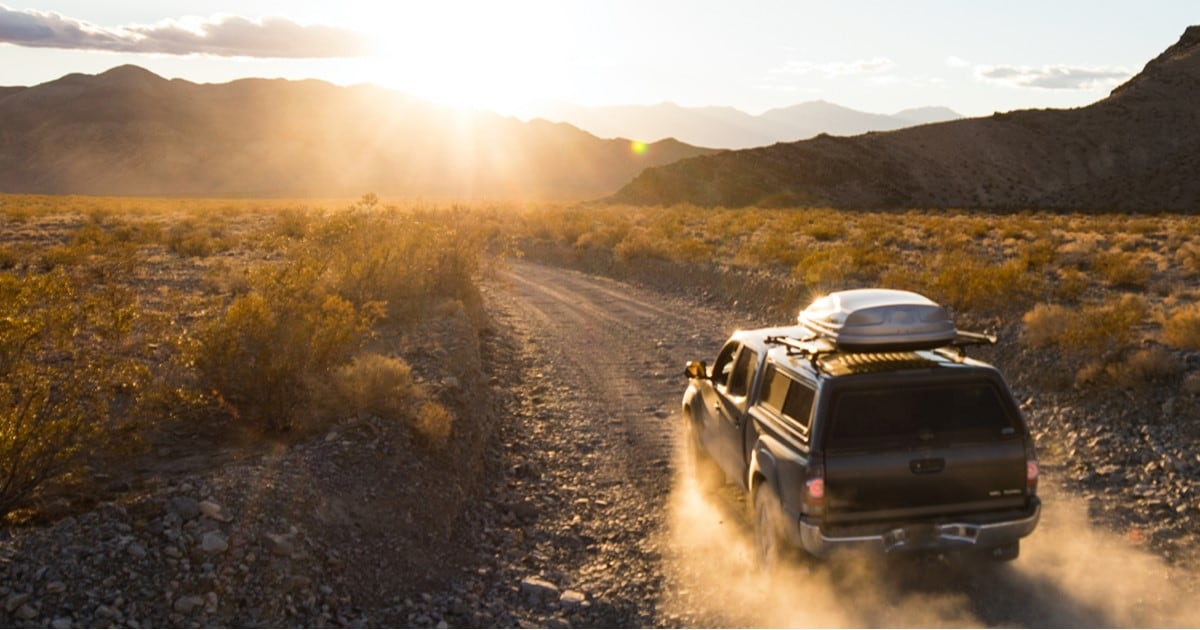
879,320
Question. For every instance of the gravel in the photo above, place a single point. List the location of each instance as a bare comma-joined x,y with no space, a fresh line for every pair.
554,517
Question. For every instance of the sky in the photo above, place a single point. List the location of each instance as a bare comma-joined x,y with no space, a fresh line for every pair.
513,56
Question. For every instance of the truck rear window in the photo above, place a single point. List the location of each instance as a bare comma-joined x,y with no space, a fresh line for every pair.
914,415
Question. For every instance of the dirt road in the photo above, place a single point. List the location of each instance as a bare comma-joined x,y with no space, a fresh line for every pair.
592,523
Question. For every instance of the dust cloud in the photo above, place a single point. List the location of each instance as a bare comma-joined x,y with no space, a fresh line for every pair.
1069,574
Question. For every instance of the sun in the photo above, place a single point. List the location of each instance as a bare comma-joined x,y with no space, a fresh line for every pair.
487,56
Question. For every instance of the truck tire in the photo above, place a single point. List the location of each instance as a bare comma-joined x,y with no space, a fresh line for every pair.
701,465
770,542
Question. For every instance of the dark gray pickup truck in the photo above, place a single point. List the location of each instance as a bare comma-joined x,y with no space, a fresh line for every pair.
866,426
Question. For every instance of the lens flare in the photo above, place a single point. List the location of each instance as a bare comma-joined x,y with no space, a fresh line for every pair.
638,147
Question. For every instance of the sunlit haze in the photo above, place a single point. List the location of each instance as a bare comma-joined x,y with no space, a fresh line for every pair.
515,57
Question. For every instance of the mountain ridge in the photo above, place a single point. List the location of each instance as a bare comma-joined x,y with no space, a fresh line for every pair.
731,128
1136,150
128,131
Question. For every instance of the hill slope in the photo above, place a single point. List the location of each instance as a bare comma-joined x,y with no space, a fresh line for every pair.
128,131
1137,150
732,128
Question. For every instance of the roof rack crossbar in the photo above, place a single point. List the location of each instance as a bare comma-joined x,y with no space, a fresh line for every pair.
964,339
817,346
811,348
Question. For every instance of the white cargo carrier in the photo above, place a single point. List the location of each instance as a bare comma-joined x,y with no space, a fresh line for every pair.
875,320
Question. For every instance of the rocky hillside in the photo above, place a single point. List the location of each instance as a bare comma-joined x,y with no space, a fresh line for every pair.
130,132
1136,150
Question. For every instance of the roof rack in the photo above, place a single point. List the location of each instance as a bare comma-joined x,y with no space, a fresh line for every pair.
816,347
864,321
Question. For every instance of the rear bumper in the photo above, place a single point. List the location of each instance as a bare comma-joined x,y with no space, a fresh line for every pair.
918,536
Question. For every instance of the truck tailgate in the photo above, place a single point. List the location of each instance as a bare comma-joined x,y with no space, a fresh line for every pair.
915,448
921,482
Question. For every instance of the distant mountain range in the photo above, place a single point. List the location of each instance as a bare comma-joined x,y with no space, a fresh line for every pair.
128,131
1136,150
730,128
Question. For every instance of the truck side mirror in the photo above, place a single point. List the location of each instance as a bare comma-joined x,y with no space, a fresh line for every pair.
696,369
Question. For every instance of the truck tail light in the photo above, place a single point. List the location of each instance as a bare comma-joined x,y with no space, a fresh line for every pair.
814,486
1031,468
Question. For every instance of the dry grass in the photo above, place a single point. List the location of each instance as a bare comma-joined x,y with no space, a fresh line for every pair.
121,313
1083,285
1182,328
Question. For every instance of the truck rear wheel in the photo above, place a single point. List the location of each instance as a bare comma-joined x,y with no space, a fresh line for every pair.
704,469
770,541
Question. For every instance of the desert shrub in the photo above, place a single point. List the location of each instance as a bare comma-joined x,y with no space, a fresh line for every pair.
10,256
1093,332
972,283
828,230
1070,285
294,223
264,353
433,422
1121,269
188,238
641,243
1187,257
405,260
1182,328
825,269
71,255
1045,325
376,384
1038,255
1146,366
693,250
64,363
1108,326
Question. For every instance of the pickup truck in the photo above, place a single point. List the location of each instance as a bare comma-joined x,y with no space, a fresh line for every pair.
865,426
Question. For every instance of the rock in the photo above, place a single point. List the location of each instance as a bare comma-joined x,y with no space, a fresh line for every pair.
279,544
214,542
537,589
106,612
186,508
55,587
212,510
26,612
571,598
15,601
187,603
557,622
296,582
136,550
524,511
61,623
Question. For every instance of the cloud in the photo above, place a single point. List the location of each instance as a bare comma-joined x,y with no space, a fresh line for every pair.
957,62
1053,77
221,36
837,68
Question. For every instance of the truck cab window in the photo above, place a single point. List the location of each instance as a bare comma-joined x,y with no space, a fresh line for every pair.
723,366
743,372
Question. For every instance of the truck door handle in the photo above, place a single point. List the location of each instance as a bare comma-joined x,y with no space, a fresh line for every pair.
927,466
